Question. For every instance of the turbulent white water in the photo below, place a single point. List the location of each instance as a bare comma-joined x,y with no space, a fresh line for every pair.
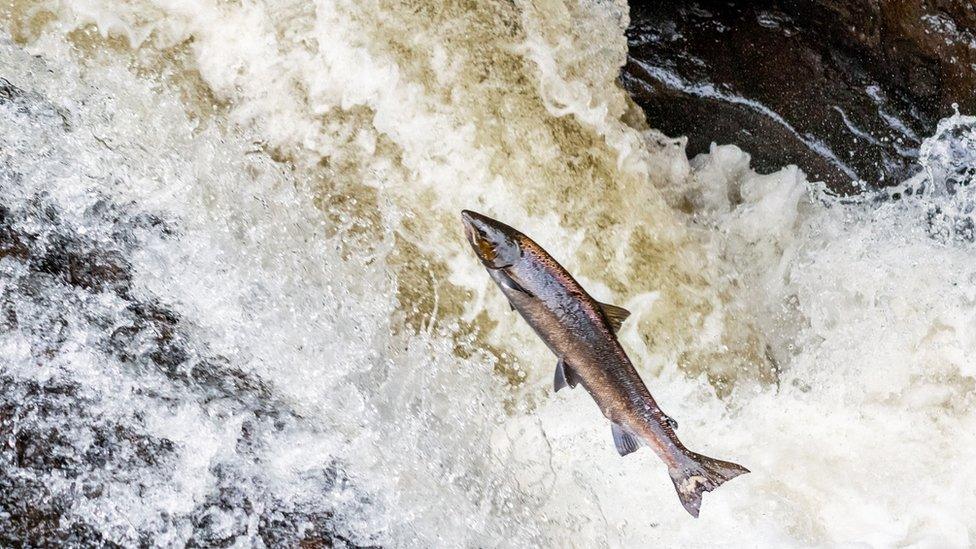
238,307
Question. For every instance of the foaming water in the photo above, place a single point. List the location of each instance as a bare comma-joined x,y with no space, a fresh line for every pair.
417,112
344,367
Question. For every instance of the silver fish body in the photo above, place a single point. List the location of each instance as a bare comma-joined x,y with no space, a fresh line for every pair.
581,332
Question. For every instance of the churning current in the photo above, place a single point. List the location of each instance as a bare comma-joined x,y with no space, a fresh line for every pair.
237,308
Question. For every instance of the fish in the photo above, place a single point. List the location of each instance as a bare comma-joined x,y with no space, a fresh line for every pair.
582,333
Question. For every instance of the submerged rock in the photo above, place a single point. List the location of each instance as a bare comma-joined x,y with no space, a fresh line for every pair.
842,88
106,387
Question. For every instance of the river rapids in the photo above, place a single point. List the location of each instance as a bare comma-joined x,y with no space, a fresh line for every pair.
237,308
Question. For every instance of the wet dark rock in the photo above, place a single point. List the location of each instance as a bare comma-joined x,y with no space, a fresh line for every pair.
9,92
224,516
10,240
88,269
32,516
154,339
846,89
34,417
55,428
32,104
67,442
48,429
924,50
308,530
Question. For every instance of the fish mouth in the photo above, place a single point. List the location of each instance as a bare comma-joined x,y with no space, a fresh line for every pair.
480,242
467,217
476,234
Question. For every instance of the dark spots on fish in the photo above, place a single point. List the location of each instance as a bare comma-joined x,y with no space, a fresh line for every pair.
582,332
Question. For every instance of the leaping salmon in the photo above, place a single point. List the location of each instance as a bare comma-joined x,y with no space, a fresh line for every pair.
582,333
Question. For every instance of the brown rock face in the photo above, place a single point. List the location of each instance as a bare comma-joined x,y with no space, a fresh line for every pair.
846,89
924,49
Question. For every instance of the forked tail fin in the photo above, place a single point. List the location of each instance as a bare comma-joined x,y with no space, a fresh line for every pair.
700,474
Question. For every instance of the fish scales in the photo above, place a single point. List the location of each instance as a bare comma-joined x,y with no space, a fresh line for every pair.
581,332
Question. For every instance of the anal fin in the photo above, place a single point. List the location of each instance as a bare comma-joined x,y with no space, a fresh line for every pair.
624,441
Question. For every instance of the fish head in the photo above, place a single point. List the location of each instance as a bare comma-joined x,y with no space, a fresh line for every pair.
495,243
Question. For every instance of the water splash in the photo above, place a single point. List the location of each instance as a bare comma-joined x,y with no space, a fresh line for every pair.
948,159
306,352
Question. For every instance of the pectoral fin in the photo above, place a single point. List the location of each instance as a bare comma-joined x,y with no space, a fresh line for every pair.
616,315
507,281
565,376
624,441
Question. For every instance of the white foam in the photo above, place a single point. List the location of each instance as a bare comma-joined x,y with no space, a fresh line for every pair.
866,310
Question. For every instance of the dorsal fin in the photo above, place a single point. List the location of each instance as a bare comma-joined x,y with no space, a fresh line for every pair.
616,315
